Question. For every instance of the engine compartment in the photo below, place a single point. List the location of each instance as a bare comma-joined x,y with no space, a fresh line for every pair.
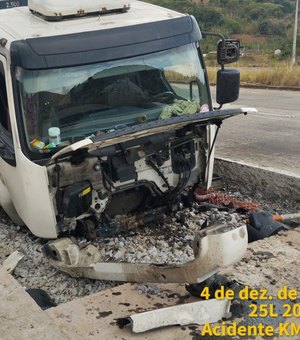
101,191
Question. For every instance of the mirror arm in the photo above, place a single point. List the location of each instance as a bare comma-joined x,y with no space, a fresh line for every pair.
219,107
204,34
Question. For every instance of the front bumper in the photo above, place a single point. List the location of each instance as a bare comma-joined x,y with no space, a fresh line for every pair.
214,247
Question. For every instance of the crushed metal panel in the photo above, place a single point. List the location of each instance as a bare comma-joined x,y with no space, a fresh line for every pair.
215,247
199,313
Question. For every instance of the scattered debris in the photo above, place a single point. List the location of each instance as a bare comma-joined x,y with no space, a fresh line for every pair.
240,307
241,302
196,313
147,289
222,199
42,298
124,223
12,261
286,217
261,225
214,283
170,242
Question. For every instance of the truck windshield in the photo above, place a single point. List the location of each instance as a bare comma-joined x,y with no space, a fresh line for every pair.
90,100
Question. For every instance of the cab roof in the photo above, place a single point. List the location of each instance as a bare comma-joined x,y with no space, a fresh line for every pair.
19,23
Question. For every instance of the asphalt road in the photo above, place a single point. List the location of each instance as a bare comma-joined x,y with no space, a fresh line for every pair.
269,138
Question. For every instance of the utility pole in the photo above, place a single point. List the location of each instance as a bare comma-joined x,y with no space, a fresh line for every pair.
295,34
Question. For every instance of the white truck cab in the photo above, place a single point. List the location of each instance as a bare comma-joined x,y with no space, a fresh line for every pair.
106,117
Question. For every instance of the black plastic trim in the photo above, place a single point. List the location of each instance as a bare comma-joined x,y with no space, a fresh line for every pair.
103,45
6,138
9,153
211,117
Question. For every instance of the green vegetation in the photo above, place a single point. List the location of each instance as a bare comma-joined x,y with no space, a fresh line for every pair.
280,75
261,25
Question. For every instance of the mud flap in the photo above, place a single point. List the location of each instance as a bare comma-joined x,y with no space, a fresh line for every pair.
214,247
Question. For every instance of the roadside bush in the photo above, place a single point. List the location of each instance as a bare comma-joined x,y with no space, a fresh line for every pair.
280,75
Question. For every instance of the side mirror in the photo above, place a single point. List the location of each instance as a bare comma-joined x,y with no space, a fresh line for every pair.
228,51
228,86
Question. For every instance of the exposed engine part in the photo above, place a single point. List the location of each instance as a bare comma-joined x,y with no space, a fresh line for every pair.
76,199
129,178
121,170
120,224
71,172
86,228
129,201
183,155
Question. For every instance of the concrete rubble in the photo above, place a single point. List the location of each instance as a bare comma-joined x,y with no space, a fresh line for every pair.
12,261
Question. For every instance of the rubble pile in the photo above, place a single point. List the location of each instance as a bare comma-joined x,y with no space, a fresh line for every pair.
34,270
170,242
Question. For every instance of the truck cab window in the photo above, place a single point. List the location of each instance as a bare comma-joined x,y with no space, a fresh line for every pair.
89,100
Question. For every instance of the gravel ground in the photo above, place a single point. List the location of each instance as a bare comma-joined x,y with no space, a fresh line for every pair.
34,272
271,263
170,242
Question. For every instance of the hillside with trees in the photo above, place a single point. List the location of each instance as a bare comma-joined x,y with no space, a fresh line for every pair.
264,25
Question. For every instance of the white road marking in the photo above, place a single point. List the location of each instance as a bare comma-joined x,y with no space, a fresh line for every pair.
275,115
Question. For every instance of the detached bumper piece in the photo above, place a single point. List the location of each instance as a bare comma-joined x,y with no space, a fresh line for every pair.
214,247
197,313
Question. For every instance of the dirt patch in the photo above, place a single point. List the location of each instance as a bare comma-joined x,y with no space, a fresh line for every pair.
271,263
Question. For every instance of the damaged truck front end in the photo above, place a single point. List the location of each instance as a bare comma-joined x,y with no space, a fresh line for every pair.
116,182
110,128
135,182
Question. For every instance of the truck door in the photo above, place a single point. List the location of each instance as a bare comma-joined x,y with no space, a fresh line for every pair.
7,154
24,191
